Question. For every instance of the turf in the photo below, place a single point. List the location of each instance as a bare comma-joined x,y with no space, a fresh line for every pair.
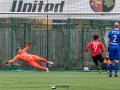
63,81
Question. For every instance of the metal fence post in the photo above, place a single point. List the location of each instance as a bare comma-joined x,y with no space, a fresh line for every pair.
69,49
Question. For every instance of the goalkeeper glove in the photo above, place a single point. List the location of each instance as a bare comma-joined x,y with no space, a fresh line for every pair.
29,43
6,63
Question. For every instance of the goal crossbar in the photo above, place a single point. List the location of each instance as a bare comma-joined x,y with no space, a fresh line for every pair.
64,13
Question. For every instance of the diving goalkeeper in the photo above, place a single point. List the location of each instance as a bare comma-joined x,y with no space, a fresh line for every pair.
29,58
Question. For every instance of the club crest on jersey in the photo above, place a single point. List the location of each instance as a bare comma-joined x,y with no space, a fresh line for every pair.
102,5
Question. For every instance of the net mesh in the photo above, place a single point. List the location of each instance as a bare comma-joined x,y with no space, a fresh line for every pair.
58,29
60,38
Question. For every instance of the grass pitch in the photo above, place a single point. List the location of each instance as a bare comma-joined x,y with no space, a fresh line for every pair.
63,81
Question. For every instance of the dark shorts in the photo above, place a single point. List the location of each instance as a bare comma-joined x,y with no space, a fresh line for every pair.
99,58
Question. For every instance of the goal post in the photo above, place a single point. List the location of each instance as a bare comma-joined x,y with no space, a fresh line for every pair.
59,37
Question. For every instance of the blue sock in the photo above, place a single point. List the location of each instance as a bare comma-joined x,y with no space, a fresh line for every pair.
110,68
116,67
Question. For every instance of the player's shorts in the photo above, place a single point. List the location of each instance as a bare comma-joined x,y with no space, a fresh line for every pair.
98,57
114,52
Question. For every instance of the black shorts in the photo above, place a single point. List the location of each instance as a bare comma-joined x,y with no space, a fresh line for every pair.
99,58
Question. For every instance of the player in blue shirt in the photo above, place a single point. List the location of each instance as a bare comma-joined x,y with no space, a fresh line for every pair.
114,48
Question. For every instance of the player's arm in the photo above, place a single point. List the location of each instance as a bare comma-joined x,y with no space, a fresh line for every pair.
108,45
108,41
87,47
14,59
27,47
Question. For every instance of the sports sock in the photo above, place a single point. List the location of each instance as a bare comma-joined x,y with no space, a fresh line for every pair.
116,67
110,68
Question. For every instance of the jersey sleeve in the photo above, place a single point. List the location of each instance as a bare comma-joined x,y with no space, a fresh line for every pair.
14,59
87,47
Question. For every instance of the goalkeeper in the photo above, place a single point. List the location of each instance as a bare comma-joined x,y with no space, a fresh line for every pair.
29,58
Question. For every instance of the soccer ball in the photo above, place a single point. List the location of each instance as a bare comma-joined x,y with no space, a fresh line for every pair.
86,69
53,86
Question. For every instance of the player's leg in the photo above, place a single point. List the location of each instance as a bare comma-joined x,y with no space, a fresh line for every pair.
110,67
35,64
111,56
37,58
116,66
101,60
95,61
117,58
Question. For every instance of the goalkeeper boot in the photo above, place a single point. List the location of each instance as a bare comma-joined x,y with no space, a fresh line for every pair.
50,62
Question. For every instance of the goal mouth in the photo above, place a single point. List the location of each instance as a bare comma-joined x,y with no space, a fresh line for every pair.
62,36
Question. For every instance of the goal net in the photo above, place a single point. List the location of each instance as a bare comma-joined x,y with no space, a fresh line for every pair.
59,32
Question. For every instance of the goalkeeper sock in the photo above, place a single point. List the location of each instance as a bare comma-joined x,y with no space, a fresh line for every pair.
110,68
116,67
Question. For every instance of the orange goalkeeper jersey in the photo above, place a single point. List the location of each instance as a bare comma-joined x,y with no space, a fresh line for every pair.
24,56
